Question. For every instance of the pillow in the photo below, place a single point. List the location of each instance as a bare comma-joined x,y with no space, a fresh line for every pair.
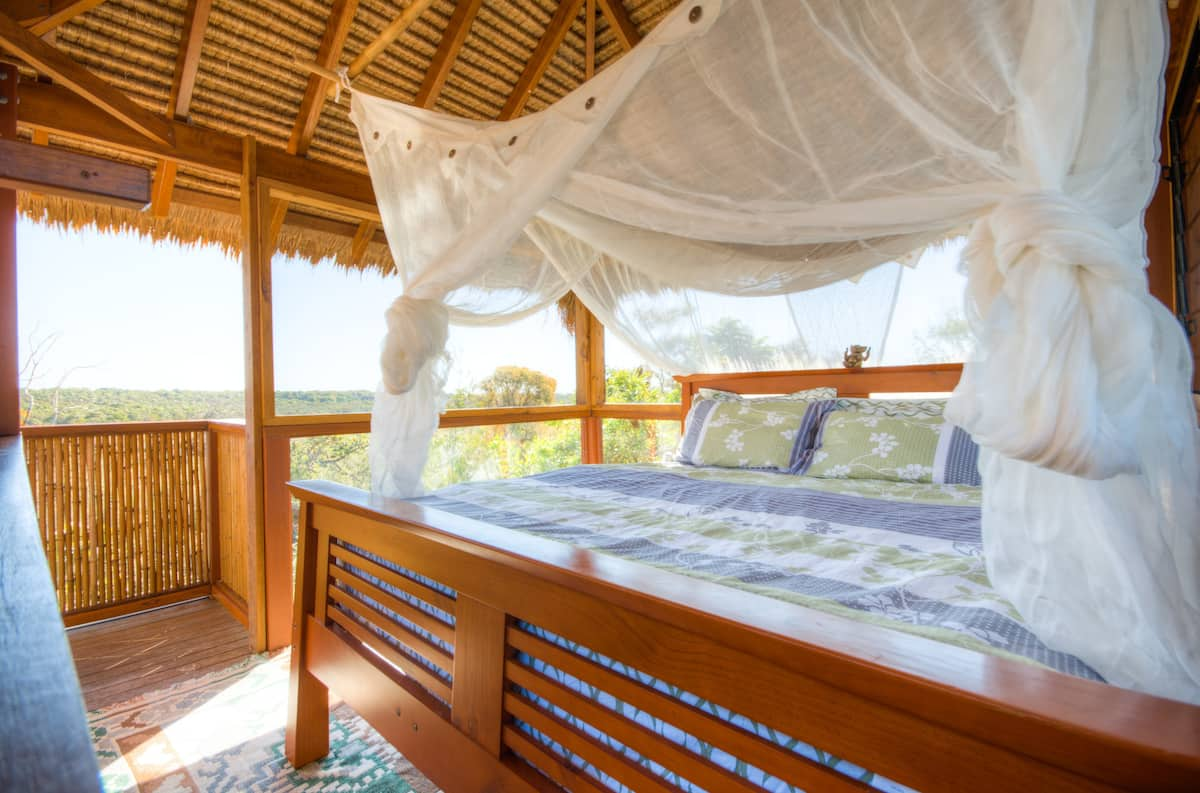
758,433
856,445
729,396
894,407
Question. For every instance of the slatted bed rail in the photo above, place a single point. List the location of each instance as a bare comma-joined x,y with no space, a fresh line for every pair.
556,660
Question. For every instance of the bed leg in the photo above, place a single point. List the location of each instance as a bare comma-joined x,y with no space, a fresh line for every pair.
308,698
308,716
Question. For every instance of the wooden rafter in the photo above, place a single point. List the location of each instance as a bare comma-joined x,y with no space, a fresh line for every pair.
589,40
556,31
362,237
447,52
163,187
47,15
391,31
341,16
187,64
618,18
53,63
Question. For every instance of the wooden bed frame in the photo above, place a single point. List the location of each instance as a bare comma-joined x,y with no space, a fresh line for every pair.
928,715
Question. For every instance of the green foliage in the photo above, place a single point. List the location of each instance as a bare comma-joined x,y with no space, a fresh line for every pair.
640,385
87,405
507,387
948,340
337,458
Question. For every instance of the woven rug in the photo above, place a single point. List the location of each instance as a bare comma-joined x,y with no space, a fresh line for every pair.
224,732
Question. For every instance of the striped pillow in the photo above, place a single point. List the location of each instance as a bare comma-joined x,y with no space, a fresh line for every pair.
769,434
853,445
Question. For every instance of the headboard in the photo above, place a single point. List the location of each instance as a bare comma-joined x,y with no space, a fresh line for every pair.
863,382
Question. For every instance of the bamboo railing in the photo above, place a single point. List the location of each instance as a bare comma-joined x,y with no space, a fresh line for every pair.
124,513
231,539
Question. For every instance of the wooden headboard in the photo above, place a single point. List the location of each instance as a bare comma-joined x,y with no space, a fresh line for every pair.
863,382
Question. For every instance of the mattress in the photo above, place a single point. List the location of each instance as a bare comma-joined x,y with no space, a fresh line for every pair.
906,556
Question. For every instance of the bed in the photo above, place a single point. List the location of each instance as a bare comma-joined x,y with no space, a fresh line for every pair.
562,632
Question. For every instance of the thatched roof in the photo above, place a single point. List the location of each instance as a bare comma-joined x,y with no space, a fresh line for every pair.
248,82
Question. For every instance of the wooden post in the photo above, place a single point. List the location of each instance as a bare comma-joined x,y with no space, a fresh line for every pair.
10,367
277,517
307,736
589,381
256,264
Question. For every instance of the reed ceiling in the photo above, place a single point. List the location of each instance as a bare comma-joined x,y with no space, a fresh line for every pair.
252,65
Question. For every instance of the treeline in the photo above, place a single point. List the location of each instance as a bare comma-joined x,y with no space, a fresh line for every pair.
97,405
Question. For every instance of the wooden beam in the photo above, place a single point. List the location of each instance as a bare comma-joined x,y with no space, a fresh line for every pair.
61,14
279,211
391,31
187,63
589,40
618,19
362,237
10,366
447,52
41,137
548,44
53,63
60,112
256,263
341,16
41,169
164,185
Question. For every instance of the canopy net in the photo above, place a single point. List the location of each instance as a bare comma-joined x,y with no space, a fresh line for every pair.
774,149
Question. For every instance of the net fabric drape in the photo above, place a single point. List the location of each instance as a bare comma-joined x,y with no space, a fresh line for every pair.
775,148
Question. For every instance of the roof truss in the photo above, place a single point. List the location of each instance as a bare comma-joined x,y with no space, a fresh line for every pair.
556,31
43,16
187,64
622,25
340,18
49,61
447,52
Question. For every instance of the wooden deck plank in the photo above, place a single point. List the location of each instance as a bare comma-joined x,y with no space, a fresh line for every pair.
123,658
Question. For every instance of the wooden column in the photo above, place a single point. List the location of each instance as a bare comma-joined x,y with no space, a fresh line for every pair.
589,381
10,367
270,539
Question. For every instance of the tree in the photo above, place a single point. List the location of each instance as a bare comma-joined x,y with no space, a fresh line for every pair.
515,387
945,341
731,341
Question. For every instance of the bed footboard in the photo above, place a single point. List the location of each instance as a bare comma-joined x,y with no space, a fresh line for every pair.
497,661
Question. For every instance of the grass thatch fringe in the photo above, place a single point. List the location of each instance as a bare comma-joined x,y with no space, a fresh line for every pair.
190,226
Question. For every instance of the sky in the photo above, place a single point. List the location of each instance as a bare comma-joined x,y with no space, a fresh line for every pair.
113,310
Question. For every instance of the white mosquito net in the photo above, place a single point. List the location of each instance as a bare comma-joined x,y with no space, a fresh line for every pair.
776,148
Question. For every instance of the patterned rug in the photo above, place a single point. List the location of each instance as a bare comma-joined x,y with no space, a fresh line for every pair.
224,732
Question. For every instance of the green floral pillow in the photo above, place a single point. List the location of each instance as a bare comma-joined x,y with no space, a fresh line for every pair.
855,445
760,433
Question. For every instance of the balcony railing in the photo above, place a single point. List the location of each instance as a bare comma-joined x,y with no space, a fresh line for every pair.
136,515
143,514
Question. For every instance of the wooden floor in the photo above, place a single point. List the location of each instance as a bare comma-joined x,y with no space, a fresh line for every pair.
122,658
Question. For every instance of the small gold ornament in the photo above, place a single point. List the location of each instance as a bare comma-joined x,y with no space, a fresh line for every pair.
855,355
